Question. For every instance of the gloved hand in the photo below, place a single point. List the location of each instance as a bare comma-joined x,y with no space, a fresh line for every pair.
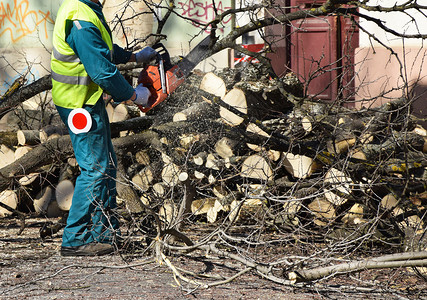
145,55
142,95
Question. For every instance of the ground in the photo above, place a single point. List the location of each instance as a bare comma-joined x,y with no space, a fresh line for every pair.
31,268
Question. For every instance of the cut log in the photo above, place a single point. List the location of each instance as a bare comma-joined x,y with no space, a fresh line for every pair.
252,190
21,151
142,157
247,211
10,198
72,162
394,144
322,210
61,149
273,155
215,163
168,212
306,124
345,134
354,215
199,175
64,194
170,174
51,132
213,84
53,210
211,179
7,156
256,167
189,139
237,99
255,129
212,214
145,200
209,206
211,162
183,177
299,166
8,138
202,206
30,119
110,111
125,192
29,179
135,125
259,100
290,211
225,147
390,202
420,130
342,145
121,113
43,199
159,189
220,191
197,112
143,179
4,117
28,137
200,158
356,153
340,186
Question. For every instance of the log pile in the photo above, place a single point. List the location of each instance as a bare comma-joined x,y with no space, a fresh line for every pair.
234,146
46,182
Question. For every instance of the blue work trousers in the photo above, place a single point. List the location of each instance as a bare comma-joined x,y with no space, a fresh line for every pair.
91,217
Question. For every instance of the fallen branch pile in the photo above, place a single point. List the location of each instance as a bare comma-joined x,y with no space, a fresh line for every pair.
237,149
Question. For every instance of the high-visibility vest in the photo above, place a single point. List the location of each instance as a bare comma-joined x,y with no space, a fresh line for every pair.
71,85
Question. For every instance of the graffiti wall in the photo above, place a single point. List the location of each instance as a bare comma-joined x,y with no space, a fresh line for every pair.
26,28
25,22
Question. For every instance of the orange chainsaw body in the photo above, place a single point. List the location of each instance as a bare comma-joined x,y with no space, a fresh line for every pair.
150,77
164,78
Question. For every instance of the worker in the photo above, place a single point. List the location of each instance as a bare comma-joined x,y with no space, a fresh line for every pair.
83,67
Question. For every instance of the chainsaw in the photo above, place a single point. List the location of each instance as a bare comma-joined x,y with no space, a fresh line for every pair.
163,78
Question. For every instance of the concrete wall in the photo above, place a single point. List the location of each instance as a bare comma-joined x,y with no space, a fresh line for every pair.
385,74
136,29
184,35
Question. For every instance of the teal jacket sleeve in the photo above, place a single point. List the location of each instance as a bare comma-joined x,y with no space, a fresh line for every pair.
93,52
120,56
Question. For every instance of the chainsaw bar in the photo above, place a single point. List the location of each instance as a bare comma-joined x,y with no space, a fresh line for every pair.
196,55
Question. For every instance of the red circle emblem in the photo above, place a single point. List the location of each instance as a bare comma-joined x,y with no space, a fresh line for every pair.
79,121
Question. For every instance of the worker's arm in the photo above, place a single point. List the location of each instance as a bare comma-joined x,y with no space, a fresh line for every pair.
86,42
122,56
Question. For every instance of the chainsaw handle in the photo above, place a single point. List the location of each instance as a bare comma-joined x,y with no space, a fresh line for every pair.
156,98
163,54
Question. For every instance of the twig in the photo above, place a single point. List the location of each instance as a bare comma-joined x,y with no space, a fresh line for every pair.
400,260
21,216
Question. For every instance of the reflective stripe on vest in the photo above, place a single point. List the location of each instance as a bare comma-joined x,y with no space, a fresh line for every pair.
65,57
71,85
76,80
